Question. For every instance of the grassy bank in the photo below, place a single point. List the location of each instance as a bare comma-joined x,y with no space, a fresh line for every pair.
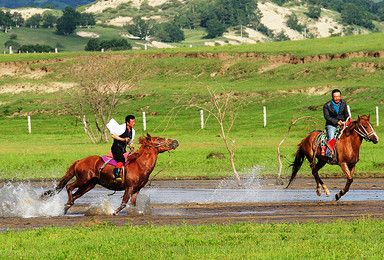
360,239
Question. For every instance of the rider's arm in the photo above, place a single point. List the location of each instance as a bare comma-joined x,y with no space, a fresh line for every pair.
116,137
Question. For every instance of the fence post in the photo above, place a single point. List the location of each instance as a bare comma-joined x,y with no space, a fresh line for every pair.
29,124
377,116
265,115
202,118
144,122
349,111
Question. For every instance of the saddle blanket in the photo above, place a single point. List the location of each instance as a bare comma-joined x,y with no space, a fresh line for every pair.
109,159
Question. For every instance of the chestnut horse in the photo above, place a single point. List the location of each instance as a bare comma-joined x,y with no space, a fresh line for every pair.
347,153
88,173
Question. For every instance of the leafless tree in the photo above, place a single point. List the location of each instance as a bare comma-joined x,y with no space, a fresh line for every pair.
102,81
224,107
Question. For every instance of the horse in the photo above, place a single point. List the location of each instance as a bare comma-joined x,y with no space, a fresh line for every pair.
347,153
88,173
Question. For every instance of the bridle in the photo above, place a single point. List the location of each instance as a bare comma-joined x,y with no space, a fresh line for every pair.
361,131
157,145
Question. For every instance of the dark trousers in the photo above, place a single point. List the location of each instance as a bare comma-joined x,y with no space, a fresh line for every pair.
118,153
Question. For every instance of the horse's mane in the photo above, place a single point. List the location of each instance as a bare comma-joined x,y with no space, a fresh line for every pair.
354,125
144,142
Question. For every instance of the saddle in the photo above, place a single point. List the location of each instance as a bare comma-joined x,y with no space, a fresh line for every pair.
108,159
328,148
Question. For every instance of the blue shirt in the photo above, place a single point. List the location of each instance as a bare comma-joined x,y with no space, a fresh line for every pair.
335,107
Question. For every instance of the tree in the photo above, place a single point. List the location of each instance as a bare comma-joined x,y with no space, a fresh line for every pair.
223,107
314,11
93,45
87,19
66,24
352,14
141,28
102,82
49,19
6,20
34,21
215,28
293,23
17,18
169,32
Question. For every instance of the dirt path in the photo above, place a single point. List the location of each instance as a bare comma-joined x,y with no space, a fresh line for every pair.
207,213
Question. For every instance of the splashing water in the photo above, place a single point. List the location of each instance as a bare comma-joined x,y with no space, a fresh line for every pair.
23,201
100,209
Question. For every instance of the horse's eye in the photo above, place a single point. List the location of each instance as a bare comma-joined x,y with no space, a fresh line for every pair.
158,139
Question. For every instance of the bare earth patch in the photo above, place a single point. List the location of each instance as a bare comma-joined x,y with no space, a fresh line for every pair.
29,87
85,34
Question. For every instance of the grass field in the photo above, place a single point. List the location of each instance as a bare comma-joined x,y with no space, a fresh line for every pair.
288,91
360,239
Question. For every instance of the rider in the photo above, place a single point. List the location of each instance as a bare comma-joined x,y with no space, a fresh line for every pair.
335,113
120,143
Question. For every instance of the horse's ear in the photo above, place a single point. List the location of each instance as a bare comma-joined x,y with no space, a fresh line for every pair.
369,116
149,136
358,118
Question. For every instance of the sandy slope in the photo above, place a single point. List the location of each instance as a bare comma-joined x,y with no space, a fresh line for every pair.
99,6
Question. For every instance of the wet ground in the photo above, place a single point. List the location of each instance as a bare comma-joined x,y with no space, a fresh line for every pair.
205,202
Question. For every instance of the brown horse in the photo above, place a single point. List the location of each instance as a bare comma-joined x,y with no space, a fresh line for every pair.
347,153
88,173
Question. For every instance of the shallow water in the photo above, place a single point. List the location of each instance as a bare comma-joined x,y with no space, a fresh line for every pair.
21,200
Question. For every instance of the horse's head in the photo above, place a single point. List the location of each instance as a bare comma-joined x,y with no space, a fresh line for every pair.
160,143
365,129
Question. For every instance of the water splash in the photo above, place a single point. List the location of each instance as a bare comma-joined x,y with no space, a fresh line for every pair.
23,201
100,209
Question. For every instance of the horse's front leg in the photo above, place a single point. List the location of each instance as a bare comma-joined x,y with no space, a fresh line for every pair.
127,195
134,198
348,171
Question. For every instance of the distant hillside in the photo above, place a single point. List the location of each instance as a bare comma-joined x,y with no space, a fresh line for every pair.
59,4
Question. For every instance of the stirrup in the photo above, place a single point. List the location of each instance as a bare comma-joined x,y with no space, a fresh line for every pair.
116,172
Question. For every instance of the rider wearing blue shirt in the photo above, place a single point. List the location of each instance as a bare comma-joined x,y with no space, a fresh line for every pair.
335,113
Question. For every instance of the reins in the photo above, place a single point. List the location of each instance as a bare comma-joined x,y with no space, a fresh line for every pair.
150,182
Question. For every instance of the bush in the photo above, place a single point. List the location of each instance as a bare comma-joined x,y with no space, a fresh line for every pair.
112,45
36,48
13,36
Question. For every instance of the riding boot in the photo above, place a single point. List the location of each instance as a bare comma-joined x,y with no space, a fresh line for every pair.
116,172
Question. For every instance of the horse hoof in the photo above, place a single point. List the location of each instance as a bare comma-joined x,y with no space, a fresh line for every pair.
318,192
337,196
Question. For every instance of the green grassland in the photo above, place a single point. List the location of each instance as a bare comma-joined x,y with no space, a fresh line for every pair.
288,91
360,239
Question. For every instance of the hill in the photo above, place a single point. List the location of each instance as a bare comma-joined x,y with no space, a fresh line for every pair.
59,4
275,24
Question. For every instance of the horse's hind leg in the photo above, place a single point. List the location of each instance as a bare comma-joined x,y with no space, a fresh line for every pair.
319,182
80,192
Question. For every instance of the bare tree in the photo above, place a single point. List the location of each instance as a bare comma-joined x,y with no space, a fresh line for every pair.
102,81
224,108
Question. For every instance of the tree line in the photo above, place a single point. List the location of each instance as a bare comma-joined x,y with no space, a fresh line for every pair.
65,24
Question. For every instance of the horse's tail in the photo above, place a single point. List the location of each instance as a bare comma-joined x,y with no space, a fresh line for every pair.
296,165
64,180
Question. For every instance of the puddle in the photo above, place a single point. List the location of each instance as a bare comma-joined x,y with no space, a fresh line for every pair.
23,200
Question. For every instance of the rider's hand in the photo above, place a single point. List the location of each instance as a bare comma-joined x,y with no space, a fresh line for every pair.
340,123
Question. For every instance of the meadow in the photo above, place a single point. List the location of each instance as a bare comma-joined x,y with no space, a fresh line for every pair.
360,239
288,91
